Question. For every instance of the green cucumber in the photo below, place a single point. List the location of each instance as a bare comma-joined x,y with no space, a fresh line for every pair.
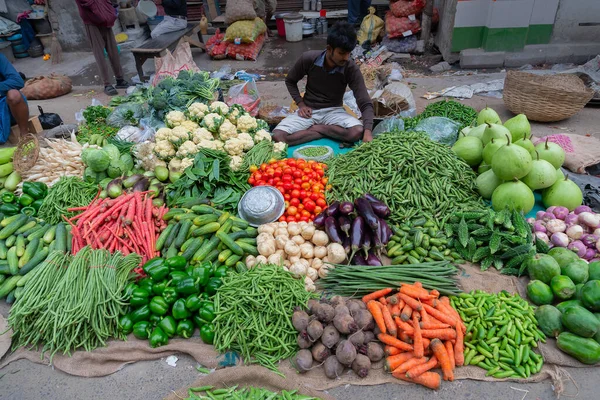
28,226
163,237
50,234
13,260
211,227
3,250
61,237
248,248
183,233
233,246
13,226
9,285
189,252
20,245
29,252
34,261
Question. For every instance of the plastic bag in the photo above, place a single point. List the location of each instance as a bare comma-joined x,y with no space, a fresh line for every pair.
349,101
371,27
589,186
401,44
397,27
439,129
405,8
224,73
388,125
245,31
49,120
247,95
126,114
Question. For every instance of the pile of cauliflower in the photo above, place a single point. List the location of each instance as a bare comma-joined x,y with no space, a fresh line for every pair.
216,127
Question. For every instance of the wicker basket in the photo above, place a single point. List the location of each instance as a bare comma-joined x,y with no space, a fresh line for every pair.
27,153
545,98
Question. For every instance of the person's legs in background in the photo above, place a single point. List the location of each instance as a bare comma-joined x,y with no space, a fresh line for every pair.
113,54
19,111
354,12
363,8
98,44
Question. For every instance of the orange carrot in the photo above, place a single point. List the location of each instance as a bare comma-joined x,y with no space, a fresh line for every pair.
441,316
418,284
451,353
447,302
442,334
377,294
429,379
418,346
426,342
395,311
443,358
393,362
390,325
446,309
416,305
420,369
406,327
406,313
412,362
401,303
434,324
425,318
415,292
376,311
459,345
392,341
383,301
405,337
392,299
435,293
391,351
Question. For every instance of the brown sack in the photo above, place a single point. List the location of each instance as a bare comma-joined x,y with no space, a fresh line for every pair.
239,10
581,151
47,87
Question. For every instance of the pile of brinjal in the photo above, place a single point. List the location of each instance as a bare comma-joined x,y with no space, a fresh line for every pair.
360,227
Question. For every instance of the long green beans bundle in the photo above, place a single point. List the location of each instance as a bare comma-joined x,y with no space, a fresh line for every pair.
253,314
260,153
413,175
357,281
68,192
72,302
249,393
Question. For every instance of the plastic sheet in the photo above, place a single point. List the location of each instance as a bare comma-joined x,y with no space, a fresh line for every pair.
388,125
439,129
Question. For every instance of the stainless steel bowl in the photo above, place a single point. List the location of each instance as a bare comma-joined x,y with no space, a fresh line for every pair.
261,205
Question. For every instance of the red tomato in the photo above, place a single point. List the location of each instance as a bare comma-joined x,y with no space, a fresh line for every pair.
305,213
292,210
304,218
291,162
287,186
253,168
287,171
287,196
263,167
258,176
251,181
297,174
270,182
303,194
281,189
305,178
321,203
294,202
286,204
286,178
295,193
324,181
317,210
310,162
301,164
282,218
306,185
319,172
270,171
272,161
290,218
314,196
277,180
310,206
296,186
260,183
298,181
277,172
300,206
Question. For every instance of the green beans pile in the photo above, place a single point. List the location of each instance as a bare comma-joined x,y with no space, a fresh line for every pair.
260,153
253,312
244,394
68,192
314,151
72,302
451,109
415,176
501,333
358,280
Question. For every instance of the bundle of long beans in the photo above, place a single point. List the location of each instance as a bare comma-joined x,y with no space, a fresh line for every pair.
357,281
413,175
68,192
248,393
253,314
72,302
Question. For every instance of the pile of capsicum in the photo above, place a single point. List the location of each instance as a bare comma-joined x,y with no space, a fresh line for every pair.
28,203
173,299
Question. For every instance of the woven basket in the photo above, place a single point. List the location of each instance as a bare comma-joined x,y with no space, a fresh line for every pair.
27,153
545,98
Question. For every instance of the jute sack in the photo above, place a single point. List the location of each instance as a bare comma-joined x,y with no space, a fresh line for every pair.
47,87
581,151
239,10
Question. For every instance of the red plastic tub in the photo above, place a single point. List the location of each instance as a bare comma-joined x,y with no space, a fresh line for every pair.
279,23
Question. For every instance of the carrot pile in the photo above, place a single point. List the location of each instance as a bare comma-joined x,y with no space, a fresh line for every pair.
421,332
129,224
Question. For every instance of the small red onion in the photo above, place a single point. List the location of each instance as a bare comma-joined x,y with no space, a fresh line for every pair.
560,239
581,209
550,209
577,247
542,236
590,254
561,212
539,226
589,219
589,240
548,216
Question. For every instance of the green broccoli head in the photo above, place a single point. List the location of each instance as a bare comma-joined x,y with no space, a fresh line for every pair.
178,99
167,84
184,75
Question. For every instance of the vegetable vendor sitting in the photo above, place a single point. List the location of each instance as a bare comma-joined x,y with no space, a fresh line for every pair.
13,105
320,113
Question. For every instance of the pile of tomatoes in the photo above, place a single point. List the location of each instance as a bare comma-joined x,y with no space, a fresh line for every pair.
302,183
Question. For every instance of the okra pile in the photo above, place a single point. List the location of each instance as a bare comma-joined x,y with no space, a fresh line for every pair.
501,333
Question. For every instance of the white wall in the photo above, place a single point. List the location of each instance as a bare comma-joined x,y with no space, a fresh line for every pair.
571,13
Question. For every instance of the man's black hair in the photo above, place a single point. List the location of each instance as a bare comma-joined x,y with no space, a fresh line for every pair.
342,36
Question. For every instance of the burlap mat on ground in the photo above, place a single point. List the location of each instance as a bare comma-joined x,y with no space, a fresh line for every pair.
105,361
581,151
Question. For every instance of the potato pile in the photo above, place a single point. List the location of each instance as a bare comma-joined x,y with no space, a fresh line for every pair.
337,334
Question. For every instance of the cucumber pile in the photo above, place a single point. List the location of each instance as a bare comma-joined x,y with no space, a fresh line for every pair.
205,234
25,242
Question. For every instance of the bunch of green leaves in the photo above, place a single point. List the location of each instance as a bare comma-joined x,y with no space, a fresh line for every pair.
86,130
210,177
139,95
96,115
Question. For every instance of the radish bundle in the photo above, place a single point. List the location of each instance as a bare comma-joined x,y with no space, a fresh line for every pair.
129,223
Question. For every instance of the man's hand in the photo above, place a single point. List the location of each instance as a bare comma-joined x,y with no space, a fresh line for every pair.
367,137
304,111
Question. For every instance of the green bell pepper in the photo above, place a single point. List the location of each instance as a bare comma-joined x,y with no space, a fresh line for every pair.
29,211
207,333
33,190
129,289
146,283
139,297
141,314
154,319
142,330
177,263
159,287
7,197
158,338
156,269
199,322
43,187
193,302
213,285
207,311
158,305
200,272
170,295
187,286
126,324
168,325
179,310
9,209
220,272
37,204
26,200
185,328
177,276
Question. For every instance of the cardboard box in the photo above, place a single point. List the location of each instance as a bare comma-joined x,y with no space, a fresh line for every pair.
34,126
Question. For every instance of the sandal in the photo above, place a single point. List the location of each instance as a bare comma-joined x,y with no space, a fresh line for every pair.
122,84
110,90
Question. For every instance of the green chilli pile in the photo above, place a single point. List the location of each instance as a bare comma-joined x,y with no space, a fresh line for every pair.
68,192
249,393
253,312
413,175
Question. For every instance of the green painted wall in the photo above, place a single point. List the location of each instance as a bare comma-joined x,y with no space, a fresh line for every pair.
467,38
499,39
504,39
539,34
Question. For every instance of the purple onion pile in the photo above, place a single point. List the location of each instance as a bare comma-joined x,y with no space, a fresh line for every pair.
577,230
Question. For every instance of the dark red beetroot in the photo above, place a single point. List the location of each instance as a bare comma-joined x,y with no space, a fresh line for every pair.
303,361
333,368
330,336
361,365
314,330
320,352
346,352
303,340
300,320
375,352
345,324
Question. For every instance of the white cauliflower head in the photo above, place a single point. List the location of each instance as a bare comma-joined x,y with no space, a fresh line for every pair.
227,130
197,111
247,140
279,147
179,165
219,107
174,118
188,148
234,146
212,122
206,144
145,156
191,126
164,150
162,134
235,163
200,134
262,134
236,111
246,123
219,145
179,134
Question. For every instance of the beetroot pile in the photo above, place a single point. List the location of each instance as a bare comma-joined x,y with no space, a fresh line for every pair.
337,333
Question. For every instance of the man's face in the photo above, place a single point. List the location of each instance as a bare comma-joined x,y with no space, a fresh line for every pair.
337,56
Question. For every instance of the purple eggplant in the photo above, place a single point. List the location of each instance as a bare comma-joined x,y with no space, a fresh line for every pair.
346,208
366,241
358,259
379,207
332,209
141,185
346,243
377,240
357,228
332,230
384,231
371,198
373,260
366,211
345,224
320,219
